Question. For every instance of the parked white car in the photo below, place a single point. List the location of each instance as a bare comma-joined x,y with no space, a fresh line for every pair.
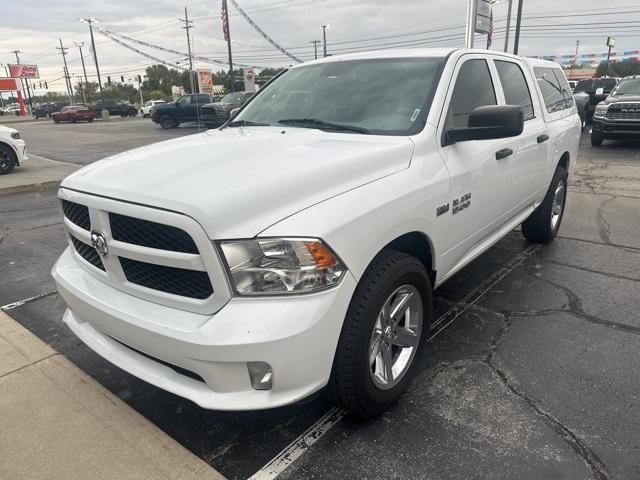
146,110
298,247
13,150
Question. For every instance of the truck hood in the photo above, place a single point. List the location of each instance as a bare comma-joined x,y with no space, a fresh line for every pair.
621,99
237,182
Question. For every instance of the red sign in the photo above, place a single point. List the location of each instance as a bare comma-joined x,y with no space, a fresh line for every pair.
9,85
23,71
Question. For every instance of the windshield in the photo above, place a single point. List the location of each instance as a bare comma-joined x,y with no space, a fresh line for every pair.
378,96
630,86
232,98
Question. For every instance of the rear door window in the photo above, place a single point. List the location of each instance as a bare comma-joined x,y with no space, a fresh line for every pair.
554,99
473,88
514,85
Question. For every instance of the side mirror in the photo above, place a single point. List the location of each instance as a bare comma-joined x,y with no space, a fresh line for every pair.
233,112
488,122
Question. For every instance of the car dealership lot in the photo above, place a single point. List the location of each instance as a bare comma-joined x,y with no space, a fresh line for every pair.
535,376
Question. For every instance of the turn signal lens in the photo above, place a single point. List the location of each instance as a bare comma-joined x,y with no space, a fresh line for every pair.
276,266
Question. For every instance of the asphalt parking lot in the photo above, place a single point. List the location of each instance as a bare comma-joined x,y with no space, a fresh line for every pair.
536,375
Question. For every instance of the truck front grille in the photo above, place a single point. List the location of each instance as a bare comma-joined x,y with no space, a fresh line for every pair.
158,255
177,281
88,253
624,111
150,234
78,214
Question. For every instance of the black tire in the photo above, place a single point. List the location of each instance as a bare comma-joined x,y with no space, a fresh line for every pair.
351,385
167,121
538,228
123,115
90,120
8,159
596,141
55,120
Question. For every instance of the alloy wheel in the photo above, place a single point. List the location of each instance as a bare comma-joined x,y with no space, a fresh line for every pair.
395,337
557,206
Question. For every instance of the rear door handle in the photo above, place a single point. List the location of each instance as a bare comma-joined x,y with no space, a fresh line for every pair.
542,138
504,153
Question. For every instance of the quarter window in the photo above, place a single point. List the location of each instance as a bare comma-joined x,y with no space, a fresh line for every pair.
566,88
473,88
514,85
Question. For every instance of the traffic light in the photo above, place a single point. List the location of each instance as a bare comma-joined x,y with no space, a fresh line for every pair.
45,85
122,78
139,79
108,80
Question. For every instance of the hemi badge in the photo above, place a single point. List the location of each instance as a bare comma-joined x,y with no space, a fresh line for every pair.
442,209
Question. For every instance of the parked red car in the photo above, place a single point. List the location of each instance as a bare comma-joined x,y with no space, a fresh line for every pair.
73,114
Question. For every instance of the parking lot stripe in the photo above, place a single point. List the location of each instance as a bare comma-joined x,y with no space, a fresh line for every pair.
301,444
19,303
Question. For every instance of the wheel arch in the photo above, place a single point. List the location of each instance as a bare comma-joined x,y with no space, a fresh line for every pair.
416,244
564,161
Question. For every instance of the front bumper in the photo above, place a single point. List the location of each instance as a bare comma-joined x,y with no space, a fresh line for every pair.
615,128
296,335
21,150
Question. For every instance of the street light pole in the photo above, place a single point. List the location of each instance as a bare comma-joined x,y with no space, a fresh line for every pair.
93,47
324,39
471,15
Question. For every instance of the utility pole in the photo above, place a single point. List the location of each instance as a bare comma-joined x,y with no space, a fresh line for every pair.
188,25
84,70
315,48
63,52
506,38
226,30
516,42
25,83
324,39
575,60
471,17
90,21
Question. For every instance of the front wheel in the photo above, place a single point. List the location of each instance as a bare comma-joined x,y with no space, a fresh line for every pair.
167,121
383,332
8,159
596,141
543,224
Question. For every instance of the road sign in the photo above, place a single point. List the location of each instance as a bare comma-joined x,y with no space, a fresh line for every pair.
23,71
482,19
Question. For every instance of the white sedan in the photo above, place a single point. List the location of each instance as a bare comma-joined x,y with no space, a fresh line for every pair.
146,110
12,149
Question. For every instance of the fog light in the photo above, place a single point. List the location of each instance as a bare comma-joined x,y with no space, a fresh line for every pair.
261,375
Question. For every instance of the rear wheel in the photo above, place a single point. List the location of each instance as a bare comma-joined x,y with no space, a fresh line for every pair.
383,333
90,120
543,224
8,159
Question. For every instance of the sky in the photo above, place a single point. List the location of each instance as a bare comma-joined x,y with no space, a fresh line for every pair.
550,27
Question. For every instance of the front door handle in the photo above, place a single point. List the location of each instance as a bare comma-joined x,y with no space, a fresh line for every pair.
504,153
542,138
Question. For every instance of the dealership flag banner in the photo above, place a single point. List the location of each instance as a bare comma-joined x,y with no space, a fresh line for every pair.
23,71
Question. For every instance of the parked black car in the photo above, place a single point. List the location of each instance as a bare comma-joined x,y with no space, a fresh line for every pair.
188,108
618,116
597,89
115,107
217,113
41,110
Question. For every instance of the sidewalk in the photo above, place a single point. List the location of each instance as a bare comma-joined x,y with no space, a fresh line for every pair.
56,422
9,119
36,173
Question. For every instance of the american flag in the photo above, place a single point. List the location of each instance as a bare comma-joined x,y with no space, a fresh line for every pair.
225,20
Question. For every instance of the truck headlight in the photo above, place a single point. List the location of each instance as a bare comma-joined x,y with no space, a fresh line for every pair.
15,135
276,266
601,110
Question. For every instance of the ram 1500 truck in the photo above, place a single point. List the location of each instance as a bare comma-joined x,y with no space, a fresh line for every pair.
618,116
297,247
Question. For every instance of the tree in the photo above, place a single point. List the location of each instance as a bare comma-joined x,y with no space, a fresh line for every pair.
619,69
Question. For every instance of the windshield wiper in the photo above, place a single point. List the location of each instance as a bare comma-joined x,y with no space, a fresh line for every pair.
246,123
322,125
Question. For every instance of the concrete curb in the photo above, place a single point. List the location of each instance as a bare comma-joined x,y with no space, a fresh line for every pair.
41,178
57,422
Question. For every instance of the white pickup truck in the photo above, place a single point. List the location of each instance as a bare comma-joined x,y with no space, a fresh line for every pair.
297,247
